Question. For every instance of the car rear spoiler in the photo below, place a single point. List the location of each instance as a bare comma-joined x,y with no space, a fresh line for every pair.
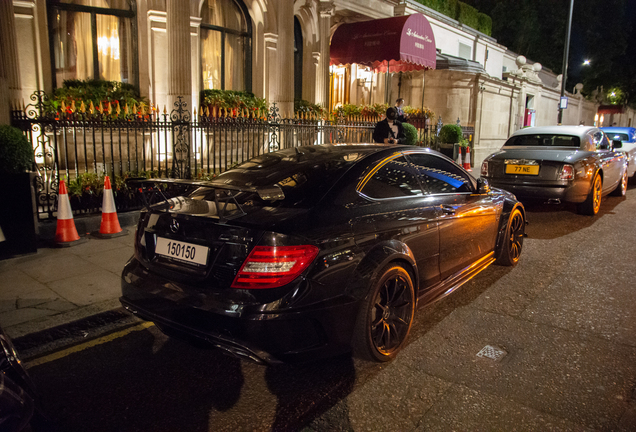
224,193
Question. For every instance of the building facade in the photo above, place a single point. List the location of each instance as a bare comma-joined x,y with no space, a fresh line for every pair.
277,49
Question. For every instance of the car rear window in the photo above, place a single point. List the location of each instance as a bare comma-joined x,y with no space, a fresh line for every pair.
304,174
543,140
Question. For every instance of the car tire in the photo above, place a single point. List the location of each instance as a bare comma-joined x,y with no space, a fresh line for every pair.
621,190
386,315
592,203
512,244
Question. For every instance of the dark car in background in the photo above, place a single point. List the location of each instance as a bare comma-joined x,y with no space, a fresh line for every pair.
315,251
576,164
627,135
20,406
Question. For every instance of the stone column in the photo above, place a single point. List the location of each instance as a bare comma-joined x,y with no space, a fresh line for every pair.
179,61
10,87
285,58
326,9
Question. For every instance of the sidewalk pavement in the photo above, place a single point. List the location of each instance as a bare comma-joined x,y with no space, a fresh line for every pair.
57,286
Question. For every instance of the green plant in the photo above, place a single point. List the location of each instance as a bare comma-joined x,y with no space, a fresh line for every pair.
16,154
451,134
303,106
410,132
464,142
467,15
233,100
485,24
462,12
77,96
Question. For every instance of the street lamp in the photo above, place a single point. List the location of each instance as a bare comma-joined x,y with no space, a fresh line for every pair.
586,62
566,53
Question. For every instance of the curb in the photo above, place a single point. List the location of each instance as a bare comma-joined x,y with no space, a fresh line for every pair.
33,345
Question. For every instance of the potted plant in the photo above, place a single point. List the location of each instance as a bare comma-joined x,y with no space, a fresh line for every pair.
18,218
450,136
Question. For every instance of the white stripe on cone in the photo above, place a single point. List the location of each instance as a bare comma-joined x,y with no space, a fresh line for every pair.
64,211
108,203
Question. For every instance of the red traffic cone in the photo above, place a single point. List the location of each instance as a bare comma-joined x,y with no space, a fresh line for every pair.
109,227
459,157
467,161
65,233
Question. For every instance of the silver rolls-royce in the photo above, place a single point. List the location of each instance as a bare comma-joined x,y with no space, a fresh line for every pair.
559,163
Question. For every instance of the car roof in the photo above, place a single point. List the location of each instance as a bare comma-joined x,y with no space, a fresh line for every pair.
618,129
579,131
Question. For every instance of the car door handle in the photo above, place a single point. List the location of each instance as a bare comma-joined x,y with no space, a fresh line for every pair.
448,210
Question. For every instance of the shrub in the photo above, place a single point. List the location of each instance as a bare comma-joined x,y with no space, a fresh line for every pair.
303,106
467,15
450,134
75,92
485,24
410,133
233,100
16,154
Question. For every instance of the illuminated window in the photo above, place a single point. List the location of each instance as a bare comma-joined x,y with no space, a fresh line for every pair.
226,45
93,39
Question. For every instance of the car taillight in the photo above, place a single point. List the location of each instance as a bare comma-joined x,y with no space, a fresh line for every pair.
273,266
484,169
567,172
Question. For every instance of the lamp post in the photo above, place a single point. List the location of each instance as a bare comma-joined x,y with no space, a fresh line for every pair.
566,53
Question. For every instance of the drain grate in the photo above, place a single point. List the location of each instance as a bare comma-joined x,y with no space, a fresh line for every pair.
492,353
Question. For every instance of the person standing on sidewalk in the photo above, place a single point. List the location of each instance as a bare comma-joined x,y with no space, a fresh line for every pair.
389,130
402,117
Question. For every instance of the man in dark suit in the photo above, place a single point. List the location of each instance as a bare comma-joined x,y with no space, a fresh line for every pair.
389,130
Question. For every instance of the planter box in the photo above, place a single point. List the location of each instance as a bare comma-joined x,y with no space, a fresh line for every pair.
17,216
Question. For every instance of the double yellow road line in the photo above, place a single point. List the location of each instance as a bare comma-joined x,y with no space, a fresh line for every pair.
81,347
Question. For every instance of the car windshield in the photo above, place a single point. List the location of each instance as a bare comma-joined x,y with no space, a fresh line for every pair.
304,175
617,136
543,140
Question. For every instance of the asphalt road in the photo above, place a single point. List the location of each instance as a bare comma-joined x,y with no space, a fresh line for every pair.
565,319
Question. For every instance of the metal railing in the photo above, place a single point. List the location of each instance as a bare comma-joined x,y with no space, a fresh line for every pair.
179,144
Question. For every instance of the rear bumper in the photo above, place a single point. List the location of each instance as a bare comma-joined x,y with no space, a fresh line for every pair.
575,192
284,336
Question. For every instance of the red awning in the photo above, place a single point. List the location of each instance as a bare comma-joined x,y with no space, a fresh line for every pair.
611,109
402,43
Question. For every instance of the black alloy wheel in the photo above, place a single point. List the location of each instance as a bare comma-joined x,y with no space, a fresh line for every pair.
621,189
386,316
513,239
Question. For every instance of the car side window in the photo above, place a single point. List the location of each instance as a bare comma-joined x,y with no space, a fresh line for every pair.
601,141
439,175
392,179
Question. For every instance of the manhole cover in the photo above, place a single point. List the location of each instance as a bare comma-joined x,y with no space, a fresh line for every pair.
492,352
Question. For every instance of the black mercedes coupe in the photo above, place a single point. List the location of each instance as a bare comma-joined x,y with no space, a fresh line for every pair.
314,251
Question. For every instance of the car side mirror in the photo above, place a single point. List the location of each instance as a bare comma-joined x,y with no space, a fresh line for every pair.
483,188
617,144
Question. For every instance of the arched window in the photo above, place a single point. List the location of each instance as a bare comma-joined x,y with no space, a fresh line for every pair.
93,39
226,45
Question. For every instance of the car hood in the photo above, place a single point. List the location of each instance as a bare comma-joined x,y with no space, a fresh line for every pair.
558,154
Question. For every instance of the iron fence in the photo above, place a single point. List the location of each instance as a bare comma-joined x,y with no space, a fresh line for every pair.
77,143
